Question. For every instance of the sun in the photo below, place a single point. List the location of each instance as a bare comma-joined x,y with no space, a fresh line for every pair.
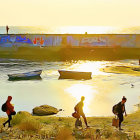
78,90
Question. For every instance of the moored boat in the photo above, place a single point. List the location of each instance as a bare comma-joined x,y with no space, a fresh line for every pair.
24,76
65,74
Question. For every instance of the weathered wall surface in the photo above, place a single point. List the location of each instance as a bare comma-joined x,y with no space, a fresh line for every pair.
71,40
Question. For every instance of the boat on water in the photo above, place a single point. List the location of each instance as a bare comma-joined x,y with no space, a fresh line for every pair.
26,76
67,74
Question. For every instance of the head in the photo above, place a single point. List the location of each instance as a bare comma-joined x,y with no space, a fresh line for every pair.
9,98
82,98
124,99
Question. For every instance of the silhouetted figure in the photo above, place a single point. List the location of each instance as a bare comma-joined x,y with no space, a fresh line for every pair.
79,110
7,29
9,111
121,110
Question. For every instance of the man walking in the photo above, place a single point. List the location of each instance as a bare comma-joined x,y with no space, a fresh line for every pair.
79,110
121,110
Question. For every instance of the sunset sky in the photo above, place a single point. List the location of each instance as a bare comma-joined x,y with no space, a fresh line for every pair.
70,12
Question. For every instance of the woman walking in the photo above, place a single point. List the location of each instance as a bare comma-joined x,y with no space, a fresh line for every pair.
9,111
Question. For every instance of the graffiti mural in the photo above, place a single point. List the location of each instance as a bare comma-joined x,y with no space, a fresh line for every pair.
73,40
93,41
23,39
49,41
87,41
4,39
38,41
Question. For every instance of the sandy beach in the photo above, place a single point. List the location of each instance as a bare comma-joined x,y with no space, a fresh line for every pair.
26,126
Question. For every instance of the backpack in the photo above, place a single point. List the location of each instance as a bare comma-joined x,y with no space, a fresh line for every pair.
4,107
115,109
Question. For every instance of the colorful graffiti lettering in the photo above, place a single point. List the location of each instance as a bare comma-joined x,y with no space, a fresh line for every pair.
4,39
38,40
70,40
92,41
23,39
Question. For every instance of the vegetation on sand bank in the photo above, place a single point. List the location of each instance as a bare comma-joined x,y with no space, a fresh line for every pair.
26,126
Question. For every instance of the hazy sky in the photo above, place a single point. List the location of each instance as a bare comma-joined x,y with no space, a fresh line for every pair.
70,12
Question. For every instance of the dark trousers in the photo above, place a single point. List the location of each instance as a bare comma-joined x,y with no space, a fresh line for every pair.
8,121
84,117
9,118
120,116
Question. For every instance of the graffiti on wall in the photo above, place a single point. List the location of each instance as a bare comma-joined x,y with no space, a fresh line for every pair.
87,41
38,41
122,40
23,39
70,40
14,39
4,39
47,41
93,41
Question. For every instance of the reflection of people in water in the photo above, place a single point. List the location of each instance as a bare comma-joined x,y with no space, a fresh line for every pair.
9,111
121,110
7,29
79,109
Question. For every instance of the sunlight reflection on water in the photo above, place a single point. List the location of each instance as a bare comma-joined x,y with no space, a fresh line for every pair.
101,92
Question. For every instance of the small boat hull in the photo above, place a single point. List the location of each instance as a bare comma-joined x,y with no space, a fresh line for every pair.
25,76
74,75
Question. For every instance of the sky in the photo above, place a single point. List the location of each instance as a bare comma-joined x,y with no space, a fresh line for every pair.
51,13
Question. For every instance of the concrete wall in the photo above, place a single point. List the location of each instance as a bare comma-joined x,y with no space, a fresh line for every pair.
71,40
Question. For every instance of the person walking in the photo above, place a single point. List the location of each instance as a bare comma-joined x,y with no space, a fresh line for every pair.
120,108
79,110
9,111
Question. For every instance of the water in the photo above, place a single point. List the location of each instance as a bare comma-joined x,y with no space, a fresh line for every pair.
101,92
70,30
61,30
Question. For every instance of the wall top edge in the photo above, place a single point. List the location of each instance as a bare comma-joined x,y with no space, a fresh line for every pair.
70,34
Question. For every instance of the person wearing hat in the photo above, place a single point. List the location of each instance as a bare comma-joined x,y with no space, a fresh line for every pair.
9,111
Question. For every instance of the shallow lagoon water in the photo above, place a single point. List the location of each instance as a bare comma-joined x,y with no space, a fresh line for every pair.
101,92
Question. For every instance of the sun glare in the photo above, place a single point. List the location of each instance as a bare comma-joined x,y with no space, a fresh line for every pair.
93,67
79,90
88,29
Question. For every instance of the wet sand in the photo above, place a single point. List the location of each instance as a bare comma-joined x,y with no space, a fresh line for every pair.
130,70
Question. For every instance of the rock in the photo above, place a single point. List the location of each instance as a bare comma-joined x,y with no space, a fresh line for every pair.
45,110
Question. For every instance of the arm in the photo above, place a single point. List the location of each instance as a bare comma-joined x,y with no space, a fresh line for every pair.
125,111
